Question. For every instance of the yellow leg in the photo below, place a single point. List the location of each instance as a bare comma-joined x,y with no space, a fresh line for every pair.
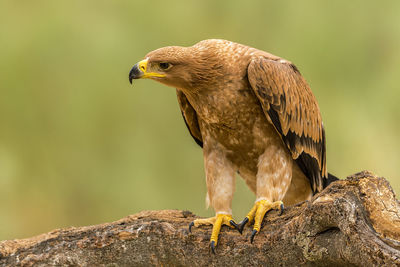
217,222
257,214
262,206
252,212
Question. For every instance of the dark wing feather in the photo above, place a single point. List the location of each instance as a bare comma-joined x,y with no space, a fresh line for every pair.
292,108
190,117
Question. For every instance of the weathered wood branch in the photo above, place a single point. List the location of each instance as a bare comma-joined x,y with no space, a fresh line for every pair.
353,222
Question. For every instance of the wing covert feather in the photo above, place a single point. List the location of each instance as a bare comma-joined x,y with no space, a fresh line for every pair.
291,106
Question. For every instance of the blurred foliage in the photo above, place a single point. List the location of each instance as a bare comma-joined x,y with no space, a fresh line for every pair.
79,145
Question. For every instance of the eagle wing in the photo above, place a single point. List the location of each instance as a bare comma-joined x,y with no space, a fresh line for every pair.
190,117
290,105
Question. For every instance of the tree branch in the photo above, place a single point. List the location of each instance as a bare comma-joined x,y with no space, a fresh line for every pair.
352,222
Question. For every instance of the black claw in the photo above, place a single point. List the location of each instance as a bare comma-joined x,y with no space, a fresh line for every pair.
240,226
237,226
212,245
282,209
190,227
253,234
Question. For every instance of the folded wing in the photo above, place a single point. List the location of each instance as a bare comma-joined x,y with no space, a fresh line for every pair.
290,105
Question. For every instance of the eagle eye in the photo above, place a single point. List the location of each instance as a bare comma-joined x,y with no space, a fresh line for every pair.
164,65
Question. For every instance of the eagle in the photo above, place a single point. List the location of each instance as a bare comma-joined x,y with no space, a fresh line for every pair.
253,114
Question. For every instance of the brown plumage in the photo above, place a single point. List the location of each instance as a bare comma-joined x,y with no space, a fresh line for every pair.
253,113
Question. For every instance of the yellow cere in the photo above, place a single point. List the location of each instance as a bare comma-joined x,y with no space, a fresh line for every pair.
143,67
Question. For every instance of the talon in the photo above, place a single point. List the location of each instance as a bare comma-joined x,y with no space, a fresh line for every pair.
235,225
282,209
190,226
257,214
253,234
242,224
217,221
212,245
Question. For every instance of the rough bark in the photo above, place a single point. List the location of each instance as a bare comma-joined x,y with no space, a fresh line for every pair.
353,222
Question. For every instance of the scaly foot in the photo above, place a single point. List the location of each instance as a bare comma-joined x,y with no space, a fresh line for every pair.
217,222
257,214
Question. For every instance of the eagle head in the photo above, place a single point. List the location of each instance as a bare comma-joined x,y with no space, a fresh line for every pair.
186,68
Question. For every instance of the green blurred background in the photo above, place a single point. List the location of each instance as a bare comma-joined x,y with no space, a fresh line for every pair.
79,145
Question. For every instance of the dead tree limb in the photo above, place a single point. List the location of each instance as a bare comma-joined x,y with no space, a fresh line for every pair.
353,222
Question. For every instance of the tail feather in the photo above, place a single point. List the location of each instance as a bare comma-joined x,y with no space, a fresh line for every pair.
331,178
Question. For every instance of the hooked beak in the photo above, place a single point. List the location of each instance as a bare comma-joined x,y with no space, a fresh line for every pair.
135,73
139,70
